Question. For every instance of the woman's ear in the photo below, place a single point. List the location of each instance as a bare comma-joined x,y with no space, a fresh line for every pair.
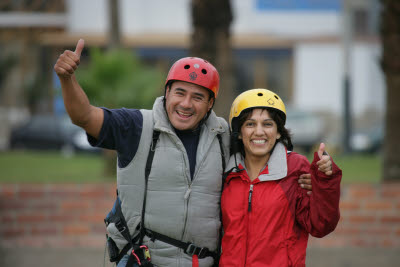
278,136
240,136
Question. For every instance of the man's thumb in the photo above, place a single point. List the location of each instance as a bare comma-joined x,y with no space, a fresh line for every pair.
79,47
321,150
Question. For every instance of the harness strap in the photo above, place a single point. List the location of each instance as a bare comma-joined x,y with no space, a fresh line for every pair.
189,248
221,146
149,162
133,257
121,224
218,253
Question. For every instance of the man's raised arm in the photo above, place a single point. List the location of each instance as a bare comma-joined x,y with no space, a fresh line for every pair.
77,104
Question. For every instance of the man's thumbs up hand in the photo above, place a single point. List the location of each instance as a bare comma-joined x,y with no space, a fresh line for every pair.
325,163
79,47
68,61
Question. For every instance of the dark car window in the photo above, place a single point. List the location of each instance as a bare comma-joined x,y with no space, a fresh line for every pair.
46,125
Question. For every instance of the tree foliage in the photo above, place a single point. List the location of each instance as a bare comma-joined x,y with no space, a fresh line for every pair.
117,78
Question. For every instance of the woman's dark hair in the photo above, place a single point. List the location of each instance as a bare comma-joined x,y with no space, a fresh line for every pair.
237,144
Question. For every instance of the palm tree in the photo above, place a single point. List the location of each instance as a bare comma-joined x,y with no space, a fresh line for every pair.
211,40
390,33
114,40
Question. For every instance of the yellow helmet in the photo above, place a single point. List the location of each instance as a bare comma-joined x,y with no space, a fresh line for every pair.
256,98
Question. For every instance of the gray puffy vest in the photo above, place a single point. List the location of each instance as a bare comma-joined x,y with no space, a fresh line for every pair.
176,205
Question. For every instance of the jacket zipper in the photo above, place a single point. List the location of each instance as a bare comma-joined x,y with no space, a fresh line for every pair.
248,221
250,195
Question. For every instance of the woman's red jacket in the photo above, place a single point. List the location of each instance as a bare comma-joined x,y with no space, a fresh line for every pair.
270,226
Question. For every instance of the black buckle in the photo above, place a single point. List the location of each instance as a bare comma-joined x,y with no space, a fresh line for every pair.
202,253
190,250
120,226
194,250
150,235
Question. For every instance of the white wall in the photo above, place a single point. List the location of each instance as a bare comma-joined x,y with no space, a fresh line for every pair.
155,16
368,79
319,78
136,16
280,23
164,16
87,16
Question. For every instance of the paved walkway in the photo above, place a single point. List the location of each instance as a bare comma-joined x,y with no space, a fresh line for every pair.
344,257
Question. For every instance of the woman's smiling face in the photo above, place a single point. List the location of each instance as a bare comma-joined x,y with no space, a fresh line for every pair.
259,134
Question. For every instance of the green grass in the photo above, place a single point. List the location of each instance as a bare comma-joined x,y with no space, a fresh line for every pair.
52,167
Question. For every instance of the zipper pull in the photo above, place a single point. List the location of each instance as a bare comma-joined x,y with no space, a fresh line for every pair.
187,193
250,194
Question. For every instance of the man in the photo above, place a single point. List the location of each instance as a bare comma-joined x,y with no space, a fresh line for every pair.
170,205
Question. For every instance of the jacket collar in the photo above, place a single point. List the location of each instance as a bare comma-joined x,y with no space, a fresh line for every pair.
276,168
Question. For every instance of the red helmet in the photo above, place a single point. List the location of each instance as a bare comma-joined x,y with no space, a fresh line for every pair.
197,71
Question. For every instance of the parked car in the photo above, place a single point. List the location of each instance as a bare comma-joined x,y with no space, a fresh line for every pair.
46,132
307,129
367,140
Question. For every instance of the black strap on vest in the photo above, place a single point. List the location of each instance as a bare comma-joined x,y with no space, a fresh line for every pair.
149,162
221,146
121,224
147,170
119,220
189,248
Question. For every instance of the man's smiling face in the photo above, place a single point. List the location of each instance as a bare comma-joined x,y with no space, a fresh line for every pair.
187,104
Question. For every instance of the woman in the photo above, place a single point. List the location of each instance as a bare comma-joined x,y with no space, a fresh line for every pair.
266,216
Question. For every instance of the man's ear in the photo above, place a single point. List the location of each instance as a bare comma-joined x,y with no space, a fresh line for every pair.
167,90
210,103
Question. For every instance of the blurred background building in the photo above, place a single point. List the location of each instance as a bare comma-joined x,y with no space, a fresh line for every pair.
295,48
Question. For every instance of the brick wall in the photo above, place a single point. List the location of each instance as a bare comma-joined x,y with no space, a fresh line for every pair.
66,215
54,215
370,217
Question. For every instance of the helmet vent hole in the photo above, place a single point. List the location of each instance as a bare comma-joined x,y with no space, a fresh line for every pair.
276,97
187,67
260,94
204,71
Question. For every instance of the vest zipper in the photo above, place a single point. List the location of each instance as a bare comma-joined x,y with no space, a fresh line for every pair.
186,199
189,182
188,191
